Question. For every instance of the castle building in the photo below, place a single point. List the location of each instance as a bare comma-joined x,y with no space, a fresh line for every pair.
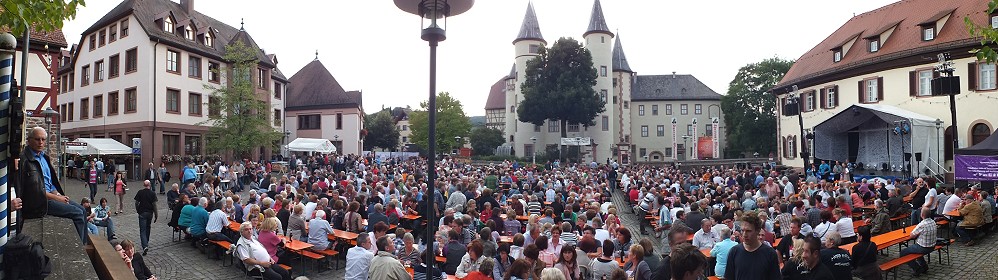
647,118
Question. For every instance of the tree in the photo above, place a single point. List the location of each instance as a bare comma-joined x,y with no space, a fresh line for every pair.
43,15
559,87
749,109
988,35
245,120
381,131
451,122
484,140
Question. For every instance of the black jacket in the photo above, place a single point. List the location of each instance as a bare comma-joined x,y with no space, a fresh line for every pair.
29,185
139,267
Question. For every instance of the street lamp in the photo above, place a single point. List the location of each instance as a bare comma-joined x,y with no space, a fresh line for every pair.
287,136
432,10
457,145
533,152
49,114
686,138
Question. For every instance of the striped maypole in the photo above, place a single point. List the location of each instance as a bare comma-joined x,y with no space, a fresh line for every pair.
7,48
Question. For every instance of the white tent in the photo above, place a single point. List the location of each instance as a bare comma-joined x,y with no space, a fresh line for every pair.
866,133
322,146
99,146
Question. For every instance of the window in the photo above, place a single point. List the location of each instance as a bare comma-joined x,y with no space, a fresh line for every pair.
698,109
660,130
533,48
641,110
194,104
70,111
171,144
168,24
871,90
602,71
925,82
627,104
668,109
808,101
683,109
642,152
102,37
605,121
172,101
189,33
62,110
213,72
131,60
986,76
113,66
124,28
978,133
261,78
614,99
214,109
602,95
63,86
112,103
554,126
874,45
192,145
709,129
837,55
85,75
84,108
98,71
309,121
654,110
277,90
928,33
644,131
194,67
339,120
209,40
112,33
831,95
668,152
537,128
689,129
131,100
573,127
173,61
98,106
93,42
277,117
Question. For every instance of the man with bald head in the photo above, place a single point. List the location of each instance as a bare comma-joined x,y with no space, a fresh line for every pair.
38,174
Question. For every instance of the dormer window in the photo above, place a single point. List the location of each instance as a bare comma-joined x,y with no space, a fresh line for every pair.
837,55
874,45
209,40
928,33
168,24
189,33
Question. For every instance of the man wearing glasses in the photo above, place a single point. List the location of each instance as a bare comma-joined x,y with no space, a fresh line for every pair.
38,173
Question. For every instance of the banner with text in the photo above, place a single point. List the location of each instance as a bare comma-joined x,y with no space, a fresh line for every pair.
976,168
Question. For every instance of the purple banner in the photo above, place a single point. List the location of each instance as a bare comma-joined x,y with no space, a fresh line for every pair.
976,168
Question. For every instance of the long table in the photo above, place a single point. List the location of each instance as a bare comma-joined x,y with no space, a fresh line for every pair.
886,240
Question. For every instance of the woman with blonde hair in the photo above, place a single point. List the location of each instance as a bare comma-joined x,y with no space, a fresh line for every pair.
269,238
552,274
269,214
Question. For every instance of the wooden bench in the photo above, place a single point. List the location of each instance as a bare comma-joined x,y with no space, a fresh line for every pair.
331,254
889,266
713,278
285,267
939,251
311,255
222,245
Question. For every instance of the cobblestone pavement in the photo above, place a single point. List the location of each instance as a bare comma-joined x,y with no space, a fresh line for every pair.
976,262
168,259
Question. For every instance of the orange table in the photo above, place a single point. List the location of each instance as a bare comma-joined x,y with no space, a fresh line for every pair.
363,222
954,213
505,239
886,240
296,246
858,223
441,259
522,218
234,226
412,274
343,235
411,217
706,252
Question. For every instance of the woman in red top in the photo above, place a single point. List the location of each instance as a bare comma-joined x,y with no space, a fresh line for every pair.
484,271
119,190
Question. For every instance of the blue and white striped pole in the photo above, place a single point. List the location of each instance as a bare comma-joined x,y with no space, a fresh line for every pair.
7,48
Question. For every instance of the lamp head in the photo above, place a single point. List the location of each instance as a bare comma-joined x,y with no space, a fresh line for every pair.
433,10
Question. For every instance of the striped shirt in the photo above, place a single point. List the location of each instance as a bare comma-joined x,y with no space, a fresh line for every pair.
216,221
926,230
534,207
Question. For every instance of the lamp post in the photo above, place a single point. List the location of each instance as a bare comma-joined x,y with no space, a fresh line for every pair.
457,145
533,152
49,114
287,136
578,150
432,11
686,138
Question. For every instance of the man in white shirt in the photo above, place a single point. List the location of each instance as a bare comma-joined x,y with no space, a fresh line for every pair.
705,238
309,208
255,256
358,259
217,220
788,188
953,203
549,195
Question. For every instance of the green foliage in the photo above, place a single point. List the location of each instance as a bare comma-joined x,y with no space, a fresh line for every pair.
750,110
559,86
381,131
451,122
988,35
244,123
44,15
485,140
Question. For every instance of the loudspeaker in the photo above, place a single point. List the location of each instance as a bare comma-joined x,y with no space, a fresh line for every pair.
918,156
791,109
945,86
907,156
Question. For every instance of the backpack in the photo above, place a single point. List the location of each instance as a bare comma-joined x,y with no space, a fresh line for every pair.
166,177
25,259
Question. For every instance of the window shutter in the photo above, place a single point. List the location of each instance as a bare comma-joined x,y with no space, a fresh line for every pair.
836,88
972,76
912,83
783,140
860,92
822,98
880,89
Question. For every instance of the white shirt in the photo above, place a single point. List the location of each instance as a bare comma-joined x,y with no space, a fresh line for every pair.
844,227
703,240
821,231
602,235
251,248
309,208
358,263
952,203
930,199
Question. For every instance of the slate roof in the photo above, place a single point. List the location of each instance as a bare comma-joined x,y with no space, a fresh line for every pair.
905,41
671,87
512,72
55,38
530,29
147,12
276,74
497,95
597,23
313,87
619,59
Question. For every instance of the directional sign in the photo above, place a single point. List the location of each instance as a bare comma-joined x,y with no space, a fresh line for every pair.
76,144
136,151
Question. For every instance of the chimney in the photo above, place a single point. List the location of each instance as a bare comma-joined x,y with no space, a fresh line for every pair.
673,74
188,6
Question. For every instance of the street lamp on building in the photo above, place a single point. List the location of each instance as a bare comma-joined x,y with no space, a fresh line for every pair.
533,151
429,12
49,115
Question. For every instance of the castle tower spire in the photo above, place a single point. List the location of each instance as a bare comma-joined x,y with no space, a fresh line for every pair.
619,60
597,23
530,29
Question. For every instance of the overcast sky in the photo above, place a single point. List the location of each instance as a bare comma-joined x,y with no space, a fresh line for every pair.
373,46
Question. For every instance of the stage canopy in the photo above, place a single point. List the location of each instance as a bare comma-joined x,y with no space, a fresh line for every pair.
322,146
978,162
98,146
866,133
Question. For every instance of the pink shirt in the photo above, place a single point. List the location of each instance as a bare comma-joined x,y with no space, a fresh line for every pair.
269,240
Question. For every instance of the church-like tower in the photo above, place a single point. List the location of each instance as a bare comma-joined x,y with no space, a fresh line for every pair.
598,41
623,82
526,46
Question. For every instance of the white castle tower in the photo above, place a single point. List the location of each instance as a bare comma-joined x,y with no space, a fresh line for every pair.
526,45
598,41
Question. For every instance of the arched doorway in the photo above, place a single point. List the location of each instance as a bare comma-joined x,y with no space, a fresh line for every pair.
978,133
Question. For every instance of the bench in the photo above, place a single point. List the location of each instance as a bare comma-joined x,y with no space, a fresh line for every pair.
713,278
889,266
331,254
222,245
939,250
285,267
311,255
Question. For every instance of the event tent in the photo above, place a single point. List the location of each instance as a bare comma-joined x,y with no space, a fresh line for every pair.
978,162
866,133
322,146
98,146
